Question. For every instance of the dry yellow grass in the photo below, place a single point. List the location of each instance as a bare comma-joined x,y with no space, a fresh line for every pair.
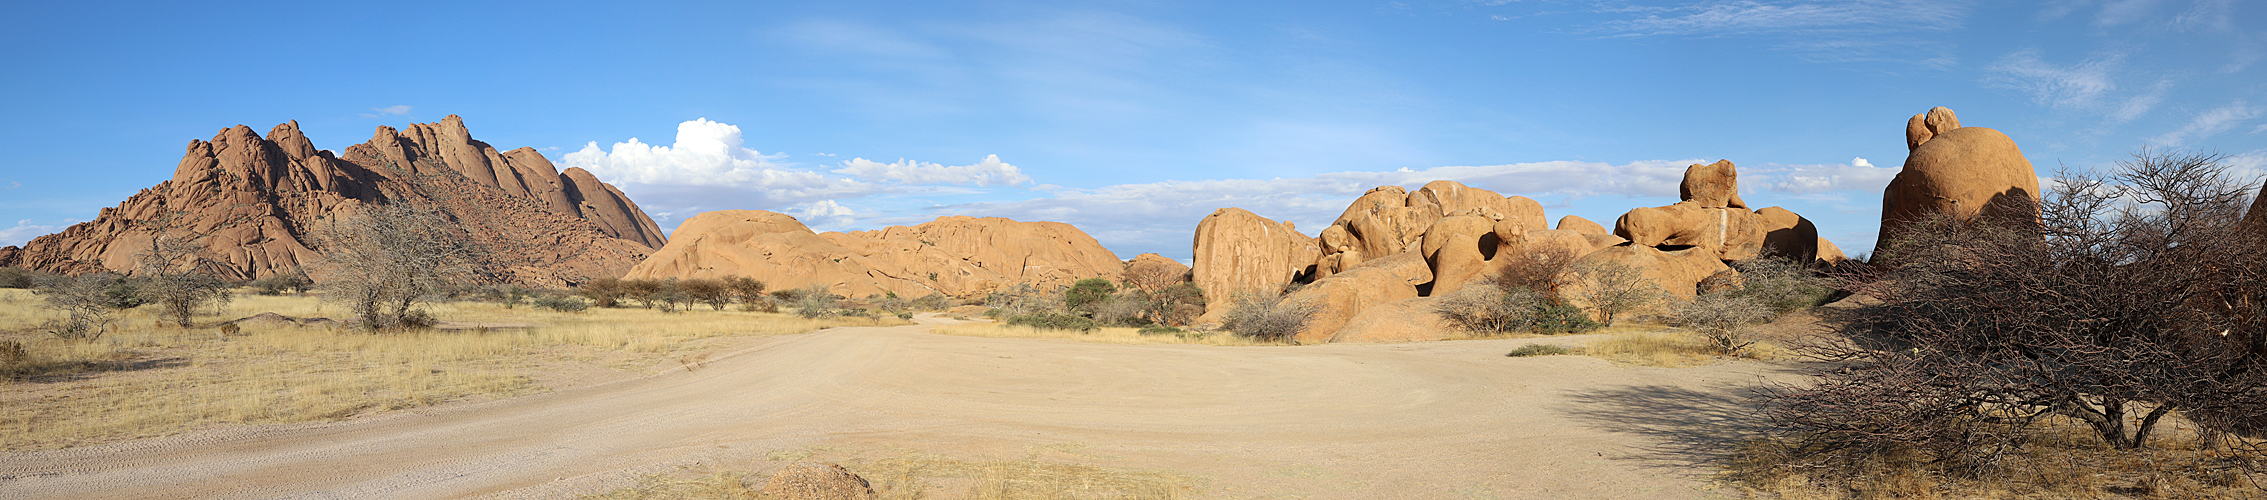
1103,335
2064,459
147,380
1668,347
918,475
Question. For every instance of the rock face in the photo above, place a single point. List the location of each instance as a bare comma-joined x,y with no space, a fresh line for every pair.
1580,225
1677,272
1345,295
1714,185
1237,251
253,201
1966,171
1788,235
957,256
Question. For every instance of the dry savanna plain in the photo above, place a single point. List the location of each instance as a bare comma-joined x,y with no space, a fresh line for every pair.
494,327
633,403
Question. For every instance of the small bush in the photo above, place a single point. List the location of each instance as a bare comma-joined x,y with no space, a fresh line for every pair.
293,281
1484,308
561,303
1610,288
1780,285
816,302
1723,319
605,292
715,293
11,277
1055,321
1127,309
1161,330
1272,318
1540,350
1558,319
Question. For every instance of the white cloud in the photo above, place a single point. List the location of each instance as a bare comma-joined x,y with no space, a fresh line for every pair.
1823,31
711,154
824,214
990,172
27,229
2141,104
394,110
1752,17
1860,175
2208,124
2078,86
2208,15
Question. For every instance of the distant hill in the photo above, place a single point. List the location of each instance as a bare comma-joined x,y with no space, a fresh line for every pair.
253,202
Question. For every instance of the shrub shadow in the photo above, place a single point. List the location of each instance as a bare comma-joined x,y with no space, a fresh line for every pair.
1687,429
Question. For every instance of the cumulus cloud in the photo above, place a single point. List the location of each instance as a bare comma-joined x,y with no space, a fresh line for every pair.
709,166
394,110
2208,124
824,214
27,229
990,172
708,154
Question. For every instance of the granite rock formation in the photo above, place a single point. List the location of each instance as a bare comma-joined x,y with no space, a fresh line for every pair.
956,256
1965,171
255,201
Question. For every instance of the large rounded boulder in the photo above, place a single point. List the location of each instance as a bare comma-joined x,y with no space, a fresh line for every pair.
1968,172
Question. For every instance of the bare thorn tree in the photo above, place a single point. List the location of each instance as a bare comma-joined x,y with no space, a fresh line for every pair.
385,261
2129,298
175,274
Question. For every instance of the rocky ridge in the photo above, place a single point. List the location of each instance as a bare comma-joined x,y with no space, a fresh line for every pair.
957,256
254,202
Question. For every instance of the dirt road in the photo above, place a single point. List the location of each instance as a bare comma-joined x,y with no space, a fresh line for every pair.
1419,420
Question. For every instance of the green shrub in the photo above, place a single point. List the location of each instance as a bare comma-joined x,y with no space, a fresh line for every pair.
1559,319
561,303
1088,291
1055,321
1540,350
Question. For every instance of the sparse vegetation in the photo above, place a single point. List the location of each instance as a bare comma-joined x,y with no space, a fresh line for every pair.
142,382
1054,321
1268,317
1525,297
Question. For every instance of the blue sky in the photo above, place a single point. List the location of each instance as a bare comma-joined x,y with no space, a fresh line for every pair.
1133,120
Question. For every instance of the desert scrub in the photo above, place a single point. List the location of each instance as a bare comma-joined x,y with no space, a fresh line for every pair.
1540,350
1269,317
1105,335
1055,321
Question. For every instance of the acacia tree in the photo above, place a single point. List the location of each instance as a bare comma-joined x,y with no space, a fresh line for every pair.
2130,297
175,275
384,261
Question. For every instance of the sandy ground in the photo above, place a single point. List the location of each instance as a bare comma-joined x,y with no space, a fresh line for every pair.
1416,420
